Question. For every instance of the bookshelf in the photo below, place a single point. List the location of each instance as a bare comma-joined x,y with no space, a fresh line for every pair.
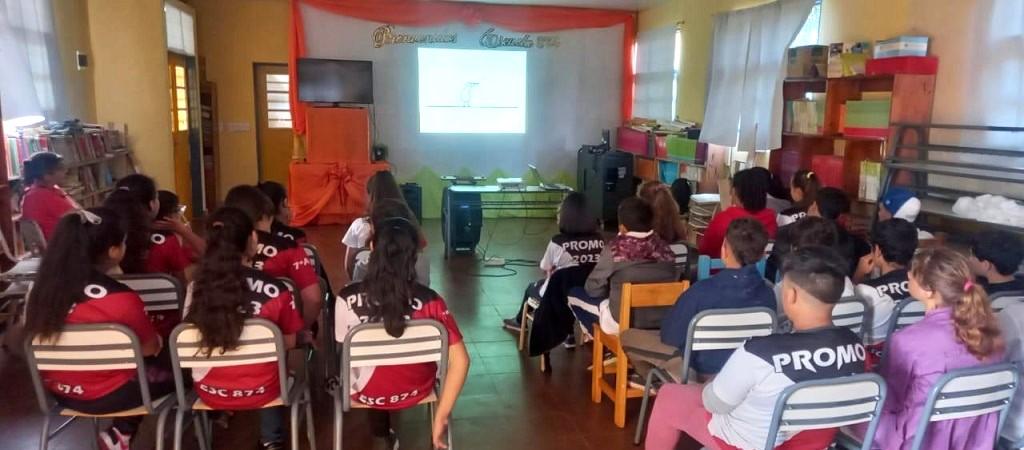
6,207
911,98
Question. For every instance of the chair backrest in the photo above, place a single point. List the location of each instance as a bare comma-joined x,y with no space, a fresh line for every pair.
705,264
261,342
32,237
967,393
829,403
314,255
160,293
86,347
907,312
1001,300
648,295
370,345
851,313
725,329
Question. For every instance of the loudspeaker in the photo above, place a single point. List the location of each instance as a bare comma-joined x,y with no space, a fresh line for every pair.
466,220
605,177
413,194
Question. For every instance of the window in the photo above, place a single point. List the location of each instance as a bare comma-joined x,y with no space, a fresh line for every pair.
809,34
656,63
279,111
181,37
30,89
179,98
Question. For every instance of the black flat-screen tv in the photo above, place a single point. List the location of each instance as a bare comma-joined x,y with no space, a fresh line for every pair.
335,81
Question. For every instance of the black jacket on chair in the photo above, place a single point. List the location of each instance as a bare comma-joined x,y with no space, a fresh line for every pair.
553,320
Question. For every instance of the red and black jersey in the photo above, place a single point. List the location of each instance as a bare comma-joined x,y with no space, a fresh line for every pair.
283,258
167,255
104,300
250,386
392,387
279,229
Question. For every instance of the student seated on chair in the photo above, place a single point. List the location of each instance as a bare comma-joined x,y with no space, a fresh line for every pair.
734,409
277,256
578,242
804,233
749,198
44,202
831,204
995,259
380,186
894,242
390,295
803,189
739,285
900,203
225,293
958,331
636,255
73,288
387,208
175,247
278,195
1011,320
667,223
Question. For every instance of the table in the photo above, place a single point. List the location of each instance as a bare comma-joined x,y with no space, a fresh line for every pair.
522,200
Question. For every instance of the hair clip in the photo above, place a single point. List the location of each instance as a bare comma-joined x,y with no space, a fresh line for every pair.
124,188
88,217
216,225
968,285
810,174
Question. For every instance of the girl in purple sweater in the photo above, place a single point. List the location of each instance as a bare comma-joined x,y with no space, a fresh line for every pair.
959,330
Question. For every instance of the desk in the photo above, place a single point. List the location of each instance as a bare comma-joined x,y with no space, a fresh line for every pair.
476,198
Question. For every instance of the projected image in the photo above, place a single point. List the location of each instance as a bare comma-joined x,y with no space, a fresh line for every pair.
472,91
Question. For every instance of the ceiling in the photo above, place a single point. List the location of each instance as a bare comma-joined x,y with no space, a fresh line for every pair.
631,5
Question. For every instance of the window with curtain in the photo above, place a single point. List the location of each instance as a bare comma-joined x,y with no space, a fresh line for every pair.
744,103
810,32
656,72
180,29
31,85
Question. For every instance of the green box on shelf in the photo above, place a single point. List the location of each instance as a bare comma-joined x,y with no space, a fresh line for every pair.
868,113
681,148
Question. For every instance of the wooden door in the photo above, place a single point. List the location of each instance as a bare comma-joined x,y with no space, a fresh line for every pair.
273,121
180,124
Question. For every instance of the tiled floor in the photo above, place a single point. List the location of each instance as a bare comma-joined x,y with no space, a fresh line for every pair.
506,404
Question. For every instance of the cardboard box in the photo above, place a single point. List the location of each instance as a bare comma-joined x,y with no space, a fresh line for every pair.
838,49
914,65
809,61
679,147
902,46
804,116
870,180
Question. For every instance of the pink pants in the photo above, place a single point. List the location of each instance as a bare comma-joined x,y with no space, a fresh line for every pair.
679,409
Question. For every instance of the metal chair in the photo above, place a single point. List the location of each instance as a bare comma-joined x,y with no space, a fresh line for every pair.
91,347
851,313
160,293
25,267
829,403
645,295
369,345
705,264
261,342
1001,300
716,329
32,238
907,312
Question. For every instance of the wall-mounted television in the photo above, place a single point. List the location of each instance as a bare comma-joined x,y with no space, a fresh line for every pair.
335,81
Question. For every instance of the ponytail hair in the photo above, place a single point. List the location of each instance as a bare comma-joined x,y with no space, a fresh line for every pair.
382,185
667,223
808,182
218,306
81,240
132,199
391,273
948,274
39,165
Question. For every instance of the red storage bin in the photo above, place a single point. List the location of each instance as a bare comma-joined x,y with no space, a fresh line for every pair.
914,65
829,170
633,141
660,147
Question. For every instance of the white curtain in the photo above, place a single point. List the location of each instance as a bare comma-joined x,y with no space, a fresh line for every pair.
747,67
655,73
31,81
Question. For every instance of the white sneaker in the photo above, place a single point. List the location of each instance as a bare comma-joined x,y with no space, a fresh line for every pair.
112,439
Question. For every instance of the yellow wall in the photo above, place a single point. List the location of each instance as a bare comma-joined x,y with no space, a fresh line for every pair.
234,34
71,22
844,21
129,52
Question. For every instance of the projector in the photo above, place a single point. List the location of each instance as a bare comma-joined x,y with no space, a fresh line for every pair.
511,184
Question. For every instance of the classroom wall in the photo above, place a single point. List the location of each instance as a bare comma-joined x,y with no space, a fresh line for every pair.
129,53
234,34
71,22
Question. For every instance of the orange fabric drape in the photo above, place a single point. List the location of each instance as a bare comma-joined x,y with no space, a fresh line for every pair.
328,192
524,19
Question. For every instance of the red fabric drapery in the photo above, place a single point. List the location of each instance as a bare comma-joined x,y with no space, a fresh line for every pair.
423,13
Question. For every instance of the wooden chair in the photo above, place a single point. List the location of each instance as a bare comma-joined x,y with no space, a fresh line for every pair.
647,295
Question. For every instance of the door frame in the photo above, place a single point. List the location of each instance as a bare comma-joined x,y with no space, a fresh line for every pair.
256,113
195,135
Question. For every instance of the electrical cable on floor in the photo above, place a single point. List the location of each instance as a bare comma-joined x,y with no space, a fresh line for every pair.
511,273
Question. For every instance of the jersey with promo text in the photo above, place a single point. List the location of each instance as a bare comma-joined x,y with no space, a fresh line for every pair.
291,233
567,250
392,387
882,294
250,386
104,300
756,373
284,258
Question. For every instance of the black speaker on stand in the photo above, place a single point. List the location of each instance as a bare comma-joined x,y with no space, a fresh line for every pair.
413,195
605,177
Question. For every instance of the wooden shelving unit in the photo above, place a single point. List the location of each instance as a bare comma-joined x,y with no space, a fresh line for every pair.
208,121
912,97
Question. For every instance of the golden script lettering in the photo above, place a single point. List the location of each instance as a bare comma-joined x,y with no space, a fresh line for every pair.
386,35
490,39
